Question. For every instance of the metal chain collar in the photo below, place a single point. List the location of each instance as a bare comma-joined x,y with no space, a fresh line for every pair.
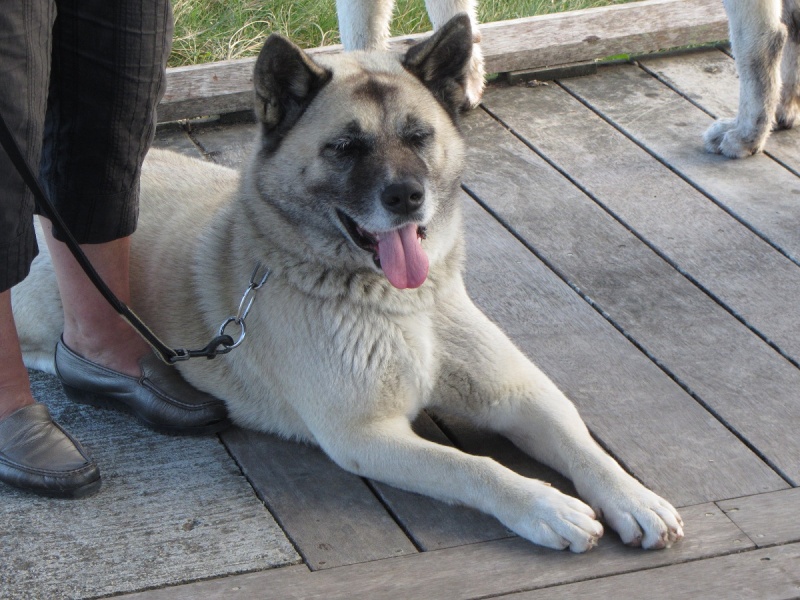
245,304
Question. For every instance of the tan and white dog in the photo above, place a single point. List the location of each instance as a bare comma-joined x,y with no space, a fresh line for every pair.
351,199
765,37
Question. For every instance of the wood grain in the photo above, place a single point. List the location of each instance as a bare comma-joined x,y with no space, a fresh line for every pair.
708,350
710,79
473,571
767,519
676,447
522,44
757,190
764,574
331,515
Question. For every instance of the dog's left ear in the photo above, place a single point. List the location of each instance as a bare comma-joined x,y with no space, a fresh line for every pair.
442,62
286,81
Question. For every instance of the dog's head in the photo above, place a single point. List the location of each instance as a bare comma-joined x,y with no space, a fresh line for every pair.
360,152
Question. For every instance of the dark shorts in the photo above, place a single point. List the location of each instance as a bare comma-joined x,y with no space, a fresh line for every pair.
79,84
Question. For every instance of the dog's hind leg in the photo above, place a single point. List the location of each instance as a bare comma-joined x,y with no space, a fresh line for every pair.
757,39
790,68
486,379
440,12
364,24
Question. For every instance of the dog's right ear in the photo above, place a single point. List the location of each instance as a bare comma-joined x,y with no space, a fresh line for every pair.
286,81
442,62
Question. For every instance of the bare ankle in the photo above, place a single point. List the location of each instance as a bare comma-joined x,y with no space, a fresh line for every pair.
13,397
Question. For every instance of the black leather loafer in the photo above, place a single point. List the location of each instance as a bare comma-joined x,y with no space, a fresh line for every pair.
38,456
161,399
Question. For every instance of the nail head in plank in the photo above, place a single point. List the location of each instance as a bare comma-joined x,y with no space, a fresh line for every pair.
768,519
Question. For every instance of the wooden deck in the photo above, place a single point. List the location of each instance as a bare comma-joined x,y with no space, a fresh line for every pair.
657,285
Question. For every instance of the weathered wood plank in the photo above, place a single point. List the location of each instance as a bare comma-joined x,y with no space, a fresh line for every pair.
331,515
521,44
757,189
474,571
763,574
434,525
173,136
226,144
241,587
595,33
768,519
707,349
171,509
709,79
678,448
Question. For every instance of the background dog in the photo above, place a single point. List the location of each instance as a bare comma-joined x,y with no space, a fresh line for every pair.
765,37
351,199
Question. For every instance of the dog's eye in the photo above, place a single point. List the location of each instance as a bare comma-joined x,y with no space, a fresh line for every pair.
417,138
349,147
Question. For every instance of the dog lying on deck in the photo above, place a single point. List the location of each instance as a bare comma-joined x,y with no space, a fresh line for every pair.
351,200
765,36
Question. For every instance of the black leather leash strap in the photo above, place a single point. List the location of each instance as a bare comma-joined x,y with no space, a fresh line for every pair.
219,345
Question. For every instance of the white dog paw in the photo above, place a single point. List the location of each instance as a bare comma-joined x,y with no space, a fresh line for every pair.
786,115
727,138
642,518
558,521
476,79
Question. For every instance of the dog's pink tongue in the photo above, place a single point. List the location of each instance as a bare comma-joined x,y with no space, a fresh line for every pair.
403,260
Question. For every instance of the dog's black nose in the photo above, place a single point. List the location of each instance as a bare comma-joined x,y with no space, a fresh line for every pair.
403,197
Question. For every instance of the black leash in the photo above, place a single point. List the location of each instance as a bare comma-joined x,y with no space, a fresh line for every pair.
221,344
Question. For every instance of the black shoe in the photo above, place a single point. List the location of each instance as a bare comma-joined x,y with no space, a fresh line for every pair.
38,456
160,398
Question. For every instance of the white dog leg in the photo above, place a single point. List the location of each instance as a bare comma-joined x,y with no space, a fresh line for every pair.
440,12
364,24
757,40
790,68
491,382
388,450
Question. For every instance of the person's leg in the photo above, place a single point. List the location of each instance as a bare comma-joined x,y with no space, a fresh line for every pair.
108,75
107,78
15,390
91,326
24,66
35,453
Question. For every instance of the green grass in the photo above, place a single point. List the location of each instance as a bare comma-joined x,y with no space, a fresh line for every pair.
211,30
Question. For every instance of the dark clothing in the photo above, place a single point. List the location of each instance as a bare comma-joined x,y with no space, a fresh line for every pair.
79,84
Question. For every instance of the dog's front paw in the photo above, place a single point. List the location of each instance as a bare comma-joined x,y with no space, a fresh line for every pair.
555,520
640,517
726,137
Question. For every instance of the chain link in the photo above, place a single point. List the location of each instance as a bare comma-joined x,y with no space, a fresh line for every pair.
245,304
